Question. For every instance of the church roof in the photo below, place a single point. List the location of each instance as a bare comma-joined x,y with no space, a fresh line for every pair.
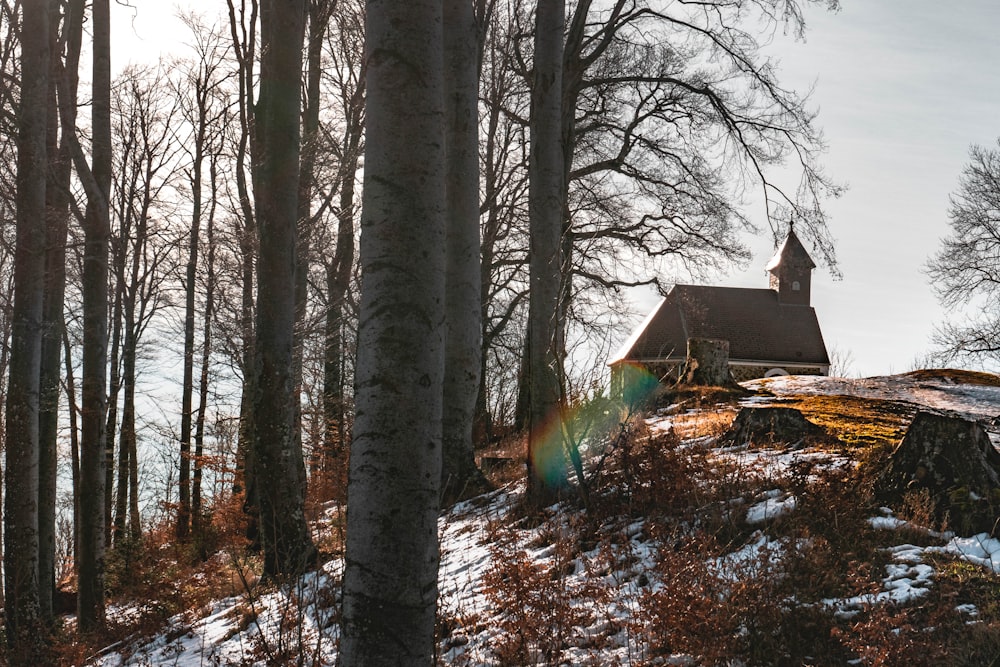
791,252
757,325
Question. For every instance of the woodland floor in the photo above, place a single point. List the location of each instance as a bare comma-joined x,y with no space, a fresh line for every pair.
688,553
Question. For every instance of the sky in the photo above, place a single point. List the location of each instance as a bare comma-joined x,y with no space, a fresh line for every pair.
903,89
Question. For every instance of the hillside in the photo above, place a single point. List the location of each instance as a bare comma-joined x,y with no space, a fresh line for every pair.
689,554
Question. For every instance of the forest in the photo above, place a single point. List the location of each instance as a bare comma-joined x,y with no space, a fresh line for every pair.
328,253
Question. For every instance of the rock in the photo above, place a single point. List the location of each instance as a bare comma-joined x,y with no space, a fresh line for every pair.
771,426
955,461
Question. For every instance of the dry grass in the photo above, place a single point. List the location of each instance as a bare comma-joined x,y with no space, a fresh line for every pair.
861,423
955,375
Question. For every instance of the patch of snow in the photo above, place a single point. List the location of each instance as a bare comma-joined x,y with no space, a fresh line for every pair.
769,509
979,549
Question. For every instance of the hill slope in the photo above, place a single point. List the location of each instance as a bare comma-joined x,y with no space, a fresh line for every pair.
689,554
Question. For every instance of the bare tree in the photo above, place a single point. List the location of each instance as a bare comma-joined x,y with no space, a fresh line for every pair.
390,577
346,41
202,111
463,353
243,16
21,547
144,118
546,459
66,41
97,231
965,272
277,452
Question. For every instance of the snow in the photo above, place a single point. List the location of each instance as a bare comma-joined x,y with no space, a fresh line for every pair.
253,629
770,509
973,401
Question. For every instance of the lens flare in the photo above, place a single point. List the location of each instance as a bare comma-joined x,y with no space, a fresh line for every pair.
637,383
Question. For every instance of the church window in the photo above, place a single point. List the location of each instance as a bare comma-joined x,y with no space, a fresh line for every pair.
795,286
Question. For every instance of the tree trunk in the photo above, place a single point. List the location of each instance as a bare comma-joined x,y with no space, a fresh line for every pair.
243,31
462,293
546,456
338,282
90,562
707,363
278,464
21,548
183,525
206,356
390,578
318,17
74,437
127,443
57,224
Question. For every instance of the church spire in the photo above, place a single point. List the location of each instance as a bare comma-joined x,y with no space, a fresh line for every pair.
791,271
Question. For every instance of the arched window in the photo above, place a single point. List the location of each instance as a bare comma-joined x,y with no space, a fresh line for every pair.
796,286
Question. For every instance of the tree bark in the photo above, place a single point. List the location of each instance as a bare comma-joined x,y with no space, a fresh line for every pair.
21,546
339,271
278,464
462,292
243,31
206,355
707,363
57,223
546,457
390,578
90,561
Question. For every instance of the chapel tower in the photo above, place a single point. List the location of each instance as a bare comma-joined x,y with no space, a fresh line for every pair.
791,272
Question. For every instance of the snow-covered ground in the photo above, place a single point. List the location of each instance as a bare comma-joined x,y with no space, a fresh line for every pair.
260,630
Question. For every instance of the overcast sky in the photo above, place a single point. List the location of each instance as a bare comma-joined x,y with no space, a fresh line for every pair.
903,88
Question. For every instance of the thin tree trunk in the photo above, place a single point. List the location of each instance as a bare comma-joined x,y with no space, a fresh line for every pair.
390,577
183,526
245,47
90,600
318,16
338,280
206,354
74,436
338,283
21,547
127,444
546,458
462,293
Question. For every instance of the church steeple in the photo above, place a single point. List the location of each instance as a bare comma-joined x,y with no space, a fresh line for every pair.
791,271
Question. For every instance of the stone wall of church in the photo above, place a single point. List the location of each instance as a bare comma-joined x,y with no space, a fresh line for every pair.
743,373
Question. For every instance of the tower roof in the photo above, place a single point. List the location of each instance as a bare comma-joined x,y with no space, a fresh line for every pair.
791,253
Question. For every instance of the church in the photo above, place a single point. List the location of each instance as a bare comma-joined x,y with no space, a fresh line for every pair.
772,331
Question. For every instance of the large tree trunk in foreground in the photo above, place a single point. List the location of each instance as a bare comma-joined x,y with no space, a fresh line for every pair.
546,455
390,577
21,507
277,456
